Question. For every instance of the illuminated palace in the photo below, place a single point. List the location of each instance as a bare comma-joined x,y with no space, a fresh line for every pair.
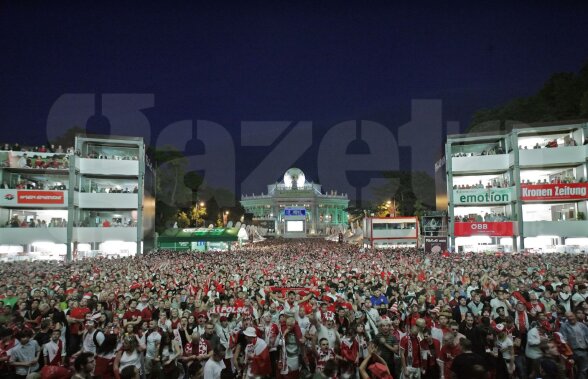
297,208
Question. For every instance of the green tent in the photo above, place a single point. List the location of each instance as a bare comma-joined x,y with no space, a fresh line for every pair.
197,238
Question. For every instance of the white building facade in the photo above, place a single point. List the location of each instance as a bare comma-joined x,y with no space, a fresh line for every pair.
298,208
97,201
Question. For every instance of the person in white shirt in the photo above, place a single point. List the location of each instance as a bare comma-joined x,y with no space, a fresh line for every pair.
164,324
372,317
152,341
580,296
303,320
499,301
328,331
54,350
215,365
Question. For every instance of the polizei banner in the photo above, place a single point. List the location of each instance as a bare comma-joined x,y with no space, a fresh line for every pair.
482,196
561,191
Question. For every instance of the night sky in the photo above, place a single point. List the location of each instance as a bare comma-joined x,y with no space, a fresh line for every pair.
325,63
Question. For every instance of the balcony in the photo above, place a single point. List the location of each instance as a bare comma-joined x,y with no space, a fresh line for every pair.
106,200
556,228
23,236
100,234
557,156
107,167
480,163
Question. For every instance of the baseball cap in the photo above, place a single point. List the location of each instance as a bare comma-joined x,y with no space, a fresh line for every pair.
379,371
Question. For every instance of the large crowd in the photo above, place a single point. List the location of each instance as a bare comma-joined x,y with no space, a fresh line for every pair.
297,309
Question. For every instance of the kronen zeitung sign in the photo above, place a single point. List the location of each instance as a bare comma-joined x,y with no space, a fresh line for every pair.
482,196
560,191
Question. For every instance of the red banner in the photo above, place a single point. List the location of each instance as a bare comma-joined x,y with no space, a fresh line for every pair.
561,191
492,229
40,197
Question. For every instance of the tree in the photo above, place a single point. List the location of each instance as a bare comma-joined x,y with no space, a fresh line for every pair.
197,215
193,181
410,192
67,139
182,219
172,193
564,96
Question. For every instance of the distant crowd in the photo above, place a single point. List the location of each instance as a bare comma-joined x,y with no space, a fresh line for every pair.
297,309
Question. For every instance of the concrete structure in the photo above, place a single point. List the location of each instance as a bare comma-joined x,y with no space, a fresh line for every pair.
298,208
390,232
97,201
522,189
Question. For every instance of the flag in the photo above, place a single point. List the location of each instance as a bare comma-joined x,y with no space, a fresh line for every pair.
261,364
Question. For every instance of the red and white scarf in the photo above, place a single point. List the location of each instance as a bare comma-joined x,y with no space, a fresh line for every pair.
522,321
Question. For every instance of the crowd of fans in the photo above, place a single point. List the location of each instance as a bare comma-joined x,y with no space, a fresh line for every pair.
493,150
33,184
296,309
567,141
47,148
16,222
565,180
496,183
116,189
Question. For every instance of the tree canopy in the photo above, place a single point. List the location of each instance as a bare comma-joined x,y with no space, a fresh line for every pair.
564,96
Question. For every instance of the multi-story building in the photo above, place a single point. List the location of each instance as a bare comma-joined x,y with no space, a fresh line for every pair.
525,189
98,200
297,208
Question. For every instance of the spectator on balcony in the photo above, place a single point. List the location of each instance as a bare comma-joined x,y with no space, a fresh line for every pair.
569,141
106,224
54,163
38,161
22,161
15,223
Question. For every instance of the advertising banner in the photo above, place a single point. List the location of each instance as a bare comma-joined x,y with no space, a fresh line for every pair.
32,198
492,229
40,197
435,244
560,191
482,196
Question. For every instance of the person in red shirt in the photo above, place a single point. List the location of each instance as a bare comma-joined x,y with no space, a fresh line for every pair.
7,342
349,348
132,315
75,318
410,354
147,312
449,351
